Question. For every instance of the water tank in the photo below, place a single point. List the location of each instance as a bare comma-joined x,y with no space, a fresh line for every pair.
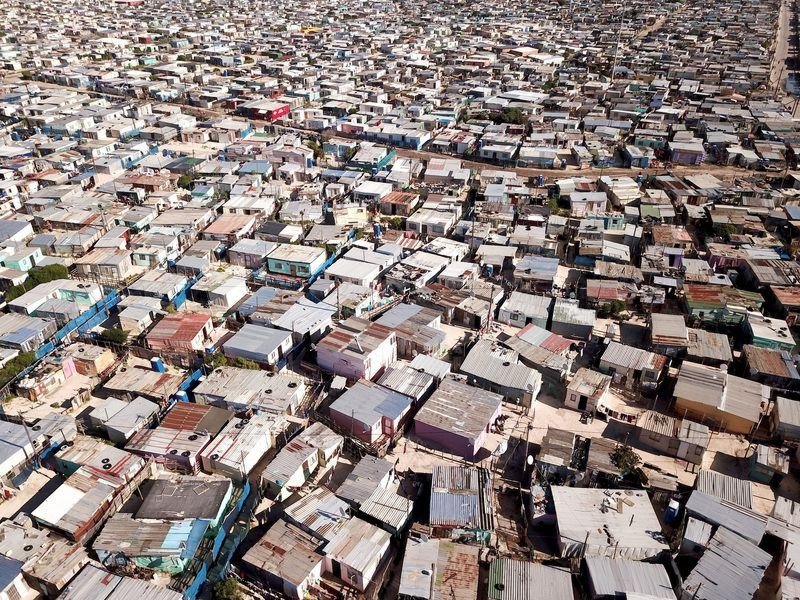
376,230
158,365
181,396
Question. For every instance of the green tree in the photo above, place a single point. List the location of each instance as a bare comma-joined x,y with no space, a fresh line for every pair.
36,276
245,363
215,360
185,182
227,589
514,116
115,335
611,309
13,367
725,230
625,459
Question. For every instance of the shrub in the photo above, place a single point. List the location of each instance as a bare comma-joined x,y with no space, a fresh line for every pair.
227,589
115,335
13,367
36,276
625,459
245,363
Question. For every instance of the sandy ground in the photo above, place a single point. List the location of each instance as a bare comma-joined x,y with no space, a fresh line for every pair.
35,484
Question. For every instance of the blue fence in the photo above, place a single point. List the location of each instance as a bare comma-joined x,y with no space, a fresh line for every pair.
227,526
180,297
187,383
193,590
92,317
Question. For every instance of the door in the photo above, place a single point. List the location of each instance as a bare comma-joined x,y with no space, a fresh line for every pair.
582,402
683,450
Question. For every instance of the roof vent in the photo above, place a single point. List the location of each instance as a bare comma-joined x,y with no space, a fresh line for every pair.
173,451
214,456
186,453
192,437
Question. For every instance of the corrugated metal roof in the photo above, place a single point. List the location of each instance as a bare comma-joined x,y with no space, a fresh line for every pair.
402,378
697,531
150,538
485,363
98,584
369,403
460,408
770,362
319,512
569,311
389,507
521,580
725,487
461,497
609,522
186,416
256,343
668,330
288,461
286,552
716,388
358,544
419,566
367,476
788,411
746,523
178,327
433,366
707,344
731,568
457,572
144,382
629,357
628,578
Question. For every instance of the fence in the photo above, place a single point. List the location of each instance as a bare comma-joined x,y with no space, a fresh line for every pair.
82,323
180,297
227,527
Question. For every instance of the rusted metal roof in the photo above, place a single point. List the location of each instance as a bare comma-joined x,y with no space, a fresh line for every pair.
178,327
196,417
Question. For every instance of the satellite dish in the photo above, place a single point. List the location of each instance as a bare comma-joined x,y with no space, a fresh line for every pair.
529,460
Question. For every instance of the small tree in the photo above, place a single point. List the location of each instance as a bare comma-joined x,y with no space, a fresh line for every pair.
245,363
215,360
611,309
115,335
227,589
13,367
185,181
625,459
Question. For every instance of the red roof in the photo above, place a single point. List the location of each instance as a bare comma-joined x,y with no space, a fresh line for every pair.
178,327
